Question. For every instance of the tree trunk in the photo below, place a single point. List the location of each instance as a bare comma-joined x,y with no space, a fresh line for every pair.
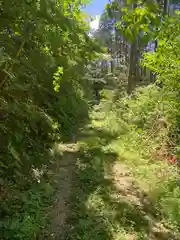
137,59
132,63
126,52
112,61
132,68
166,7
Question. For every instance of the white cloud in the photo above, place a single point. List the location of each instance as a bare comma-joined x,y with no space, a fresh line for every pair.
95,24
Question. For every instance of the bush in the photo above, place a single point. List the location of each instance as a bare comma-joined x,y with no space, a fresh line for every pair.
44,51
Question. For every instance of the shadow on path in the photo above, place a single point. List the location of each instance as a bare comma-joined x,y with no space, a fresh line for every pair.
98,198
106,203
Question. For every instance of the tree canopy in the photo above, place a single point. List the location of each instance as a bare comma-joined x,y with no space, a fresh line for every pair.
51,70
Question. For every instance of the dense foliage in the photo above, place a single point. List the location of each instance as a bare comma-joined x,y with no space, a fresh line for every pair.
44,49
152,113
43,56
50,67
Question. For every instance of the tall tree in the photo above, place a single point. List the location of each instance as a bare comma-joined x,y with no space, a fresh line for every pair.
132,62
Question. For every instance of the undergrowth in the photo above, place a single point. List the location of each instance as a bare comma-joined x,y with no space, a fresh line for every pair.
25,212
147,148
134,132
44,51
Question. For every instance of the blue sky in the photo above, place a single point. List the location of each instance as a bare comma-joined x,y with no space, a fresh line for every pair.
96,7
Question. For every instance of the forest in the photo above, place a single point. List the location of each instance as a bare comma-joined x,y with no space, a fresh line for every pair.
89,120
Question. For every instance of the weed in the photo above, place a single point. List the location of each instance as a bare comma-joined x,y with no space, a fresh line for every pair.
105,209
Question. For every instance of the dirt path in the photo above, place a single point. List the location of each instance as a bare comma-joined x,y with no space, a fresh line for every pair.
97,198
126,186
60,210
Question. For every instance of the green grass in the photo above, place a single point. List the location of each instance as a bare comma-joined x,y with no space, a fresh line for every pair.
99,210
24,211
27,214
